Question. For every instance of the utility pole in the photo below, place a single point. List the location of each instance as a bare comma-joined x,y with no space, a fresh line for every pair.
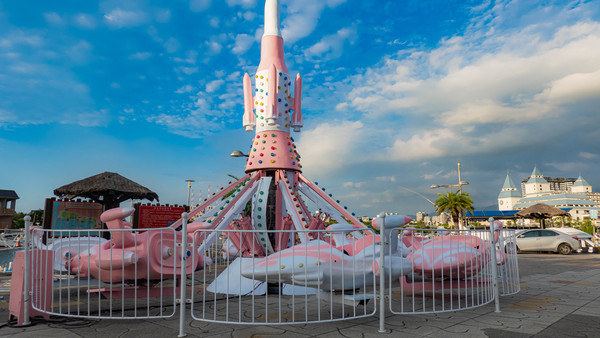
189,188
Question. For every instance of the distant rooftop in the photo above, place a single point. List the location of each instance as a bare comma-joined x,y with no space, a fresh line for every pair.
9,194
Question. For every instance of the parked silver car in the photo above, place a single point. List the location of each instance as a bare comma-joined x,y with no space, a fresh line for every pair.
546,240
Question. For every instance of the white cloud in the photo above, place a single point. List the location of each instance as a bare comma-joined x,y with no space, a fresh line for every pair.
332,46
199,5
171,45
195,124
357,185
80,52
119,18
244,3
141,56
53,18
330,146
250,16
588,156
163,15
214,85
85,21
214,22
184,89
243,42
302,17
573,87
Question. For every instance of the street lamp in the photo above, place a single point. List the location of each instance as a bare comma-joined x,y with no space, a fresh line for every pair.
238,153
189,188
459,185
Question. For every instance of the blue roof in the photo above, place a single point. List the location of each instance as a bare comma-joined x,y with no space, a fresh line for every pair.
581,182
491,213
571,200
553,197
536,172
509,189
497,213
536,176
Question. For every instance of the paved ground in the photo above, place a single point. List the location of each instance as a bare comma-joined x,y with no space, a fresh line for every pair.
559,298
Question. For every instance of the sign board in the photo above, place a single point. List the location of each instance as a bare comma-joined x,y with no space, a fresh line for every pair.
75,216
156,216
594,214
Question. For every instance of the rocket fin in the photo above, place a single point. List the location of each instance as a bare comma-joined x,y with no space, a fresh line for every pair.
248,120
297,122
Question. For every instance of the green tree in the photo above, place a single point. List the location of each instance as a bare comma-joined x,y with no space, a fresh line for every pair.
454,202
18,218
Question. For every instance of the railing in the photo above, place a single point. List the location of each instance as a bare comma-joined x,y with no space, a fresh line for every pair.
92,278
451,270
227,278
307,283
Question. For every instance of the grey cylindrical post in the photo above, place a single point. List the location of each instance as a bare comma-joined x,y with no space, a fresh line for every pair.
26,271
382,241
182,285
494,265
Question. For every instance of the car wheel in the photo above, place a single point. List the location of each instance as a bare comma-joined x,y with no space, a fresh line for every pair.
564,249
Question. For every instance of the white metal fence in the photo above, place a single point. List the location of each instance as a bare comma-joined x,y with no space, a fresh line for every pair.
308,282
228,278
94,278
451,270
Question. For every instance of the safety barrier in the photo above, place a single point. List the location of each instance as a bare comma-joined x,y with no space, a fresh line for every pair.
235,276
451,270
87,276
306,283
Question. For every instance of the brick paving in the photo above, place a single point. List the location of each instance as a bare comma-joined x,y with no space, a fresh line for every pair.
558,298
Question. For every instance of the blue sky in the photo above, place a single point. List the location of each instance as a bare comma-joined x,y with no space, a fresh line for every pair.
395,94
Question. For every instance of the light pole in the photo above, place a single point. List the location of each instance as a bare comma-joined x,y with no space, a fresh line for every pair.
459,185
189,188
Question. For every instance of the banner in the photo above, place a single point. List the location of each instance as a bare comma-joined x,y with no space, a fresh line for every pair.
155,216
76,216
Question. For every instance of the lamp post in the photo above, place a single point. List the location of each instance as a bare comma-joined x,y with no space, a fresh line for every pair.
459,185
189,188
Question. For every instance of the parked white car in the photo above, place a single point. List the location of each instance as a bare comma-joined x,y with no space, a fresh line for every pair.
546,240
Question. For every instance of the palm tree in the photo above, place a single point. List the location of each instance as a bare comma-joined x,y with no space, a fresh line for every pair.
454,202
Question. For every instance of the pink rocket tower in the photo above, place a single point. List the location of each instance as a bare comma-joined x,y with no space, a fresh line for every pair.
273,183
270,108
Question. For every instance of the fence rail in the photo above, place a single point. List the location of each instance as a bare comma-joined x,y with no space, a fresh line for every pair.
233,276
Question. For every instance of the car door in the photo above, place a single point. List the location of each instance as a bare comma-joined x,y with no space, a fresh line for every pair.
548,240
528,240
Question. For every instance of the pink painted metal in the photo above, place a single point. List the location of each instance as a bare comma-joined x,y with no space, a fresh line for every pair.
41,284
450,256
151,255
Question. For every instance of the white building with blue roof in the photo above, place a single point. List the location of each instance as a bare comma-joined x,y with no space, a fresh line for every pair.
509,195
577,197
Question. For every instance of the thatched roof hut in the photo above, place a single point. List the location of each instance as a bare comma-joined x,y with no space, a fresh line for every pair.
541,211
109,189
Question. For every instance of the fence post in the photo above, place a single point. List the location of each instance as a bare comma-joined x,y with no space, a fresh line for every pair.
183,283
26,271
382,241
494,264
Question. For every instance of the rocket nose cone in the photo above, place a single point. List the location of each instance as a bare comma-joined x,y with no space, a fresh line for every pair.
272,24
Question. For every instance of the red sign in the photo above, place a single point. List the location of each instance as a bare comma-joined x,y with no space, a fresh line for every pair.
154,216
